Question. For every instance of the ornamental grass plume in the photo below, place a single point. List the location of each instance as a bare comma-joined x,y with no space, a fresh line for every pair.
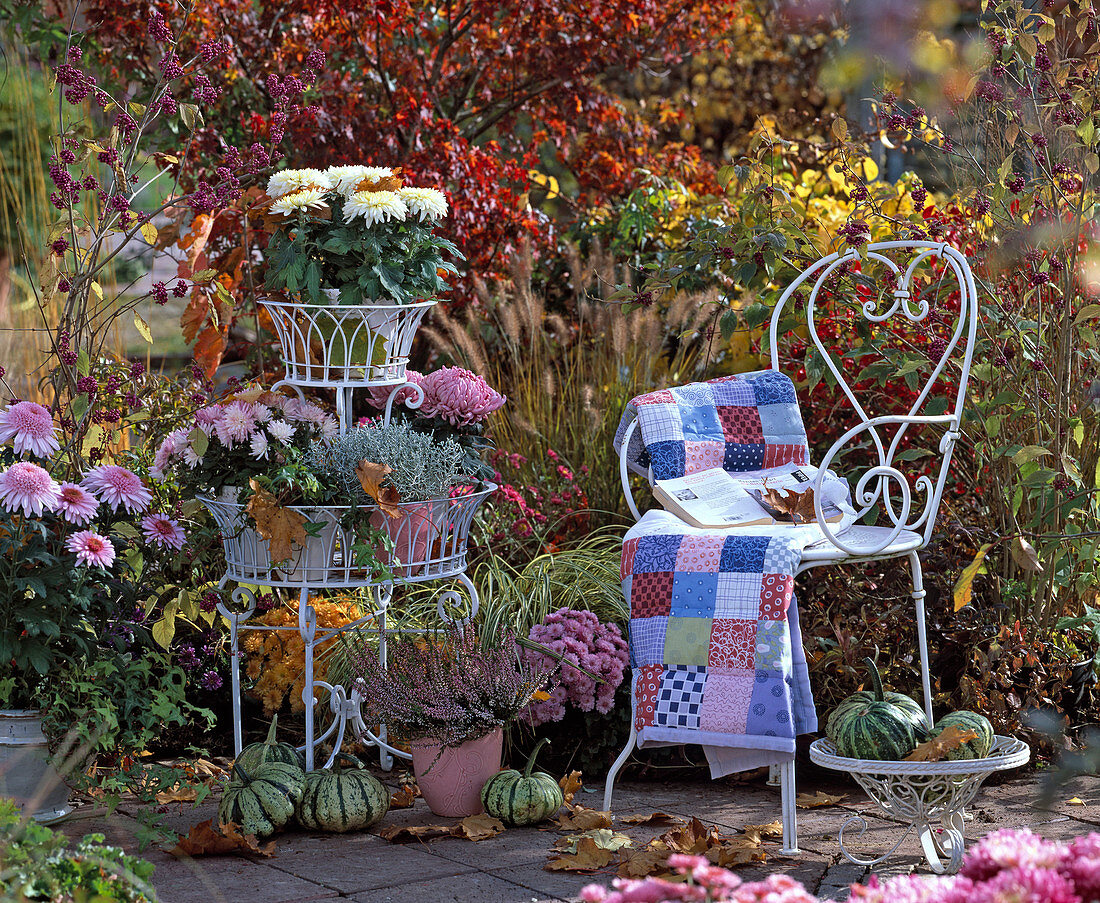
450,687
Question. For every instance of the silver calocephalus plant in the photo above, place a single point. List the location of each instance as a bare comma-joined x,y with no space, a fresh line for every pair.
421,467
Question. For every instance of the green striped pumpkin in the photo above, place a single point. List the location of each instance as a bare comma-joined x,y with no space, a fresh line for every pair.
262,800
860,697
980,746
875,728
256,754
522,799
342,799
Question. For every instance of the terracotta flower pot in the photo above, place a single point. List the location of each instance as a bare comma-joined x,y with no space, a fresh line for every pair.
450,779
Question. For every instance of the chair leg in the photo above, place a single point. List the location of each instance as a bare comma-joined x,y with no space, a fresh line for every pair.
922,633
775,776
609,786
790,814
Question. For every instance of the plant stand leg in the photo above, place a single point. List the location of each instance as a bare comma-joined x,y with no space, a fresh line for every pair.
385,758
307,626
235,619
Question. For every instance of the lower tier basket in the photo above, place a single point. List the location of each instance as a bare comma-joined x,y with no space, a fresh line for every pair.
919,794
428,542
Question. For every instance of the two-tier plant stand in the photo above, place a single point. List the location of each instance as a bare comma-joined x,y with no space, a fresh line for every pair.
345,349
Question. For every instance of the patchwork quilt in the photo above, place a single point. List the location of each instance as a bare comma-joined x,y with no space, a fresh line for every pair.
715,645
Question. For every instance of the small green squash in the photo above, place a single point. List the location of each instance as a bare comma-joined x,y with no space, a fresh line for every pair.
875,729
262,800
980,746
522,799
340,799
256,754
860,697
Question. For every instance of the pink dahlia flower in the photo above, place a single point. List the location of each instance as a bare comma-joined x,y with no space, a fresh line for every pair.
380,395
118,486
458,396
163,531
31,426
28,487
76,504
91,549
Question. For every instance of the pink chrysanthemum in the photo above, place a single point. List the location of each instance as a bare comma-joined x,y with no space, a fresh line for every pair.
1082,866
378,396
163,531
27,487
31,427
172,445
91,549
76,504
1026,884
236,423
1010,848
458,396
118,486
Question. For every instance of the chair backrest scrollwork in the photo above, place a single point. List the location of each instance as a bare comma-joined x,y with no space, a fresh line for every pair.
918,285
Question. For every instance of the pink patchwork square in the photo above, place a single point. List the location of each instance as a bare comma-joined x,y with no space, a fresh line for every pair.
777,455
725,706
663,396
645,695
627,566
699,554
732,644
703,455
775,596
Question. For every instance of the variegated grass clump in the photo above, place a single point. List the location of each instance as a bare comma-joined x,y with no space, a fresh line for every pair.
421,467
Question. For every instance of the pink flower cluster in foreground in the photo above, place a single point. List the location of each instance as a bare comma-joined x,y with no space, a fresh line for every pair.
452,394
1007,866
29,489
580,639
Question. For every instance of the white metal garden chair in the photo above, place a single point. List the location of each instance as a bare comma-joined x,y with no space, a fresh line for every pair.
884,486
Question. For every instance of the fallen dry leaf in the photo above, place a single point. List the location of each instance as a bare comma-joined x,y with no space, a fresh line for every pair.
281,527
225,840
178,793
605,839
651,861
656,819
588,858
408,833
736,851
479,827
404,797
799,505
1075,801
570,784
693,837
936,749
371,476
772,829
818,799
577,818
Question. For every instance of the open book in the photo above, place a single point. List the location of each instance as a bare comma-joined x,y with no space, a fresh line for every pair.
717,498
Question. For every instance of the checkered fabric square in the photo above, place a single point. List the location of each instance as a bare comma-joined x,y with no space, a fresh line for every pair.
680,697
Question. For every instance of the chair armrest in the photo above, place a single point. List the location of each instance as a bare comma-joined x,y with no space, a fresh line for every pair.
624,471
874,487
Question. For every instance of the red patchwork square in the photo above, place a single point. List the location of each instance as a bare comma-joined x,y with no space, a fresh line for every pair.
700,554
703,455
645,695
662,396
775,596
732,643
778,455
651,594
627,566
740,424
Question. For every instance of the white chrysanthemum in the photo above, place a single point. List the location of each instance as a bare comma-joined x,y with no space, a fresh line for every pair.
345,179
261,412
427,203
307,199
280,431
258,445
375,206
330,428
291,180
190,458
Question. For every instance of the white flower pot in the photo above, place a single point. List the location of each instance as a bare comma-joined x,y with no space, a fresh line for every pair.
26,772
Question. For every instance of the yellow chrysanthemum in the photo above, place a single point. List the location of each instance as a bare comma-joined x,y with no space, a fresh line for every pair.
375,207
427,203
291,180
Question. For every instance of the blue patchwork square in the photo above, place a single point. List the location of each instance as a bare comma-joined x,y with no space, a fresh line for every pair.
656,553
773,388
693,395
742,456
680,697
743,554
647,641
701,423
770,707
668,459
694,594
782,424
733,392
